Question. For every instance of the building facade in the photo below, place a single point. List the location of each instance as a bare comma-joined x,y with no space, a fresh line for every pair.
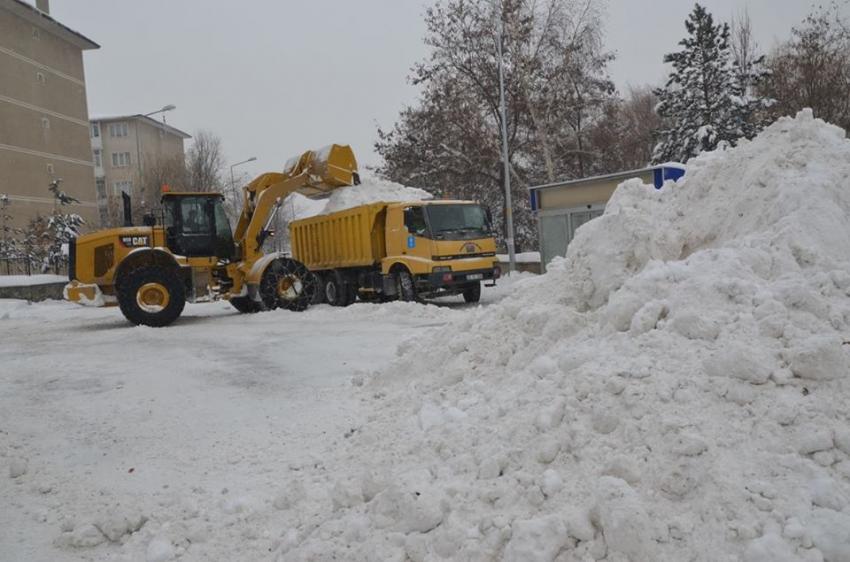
44,126
135,155
564,206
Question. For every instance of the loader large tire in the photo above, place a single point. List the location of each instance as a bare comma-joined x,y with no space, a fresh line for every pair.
151,295
287,283
245,305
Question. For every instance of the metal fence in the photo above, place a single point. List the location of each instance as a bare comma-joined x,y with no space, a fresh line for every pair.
29,266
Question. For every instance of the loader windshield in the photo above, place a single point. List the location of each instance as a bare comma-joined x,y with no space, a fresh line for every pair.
462,221
196,225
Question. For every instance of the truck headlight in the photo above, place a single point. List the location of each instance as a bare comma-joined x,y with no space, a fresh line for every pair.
442,269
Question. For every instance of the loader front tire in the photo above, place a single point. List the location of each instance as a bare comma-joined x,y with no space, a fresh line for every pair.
288,284
151,295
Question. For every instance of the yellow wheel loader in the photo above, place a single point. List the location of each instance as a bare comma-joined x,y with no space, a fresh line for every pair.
191,254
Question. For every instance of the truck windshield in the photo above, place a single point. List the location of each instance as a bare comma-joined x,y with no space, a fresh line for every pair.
458,222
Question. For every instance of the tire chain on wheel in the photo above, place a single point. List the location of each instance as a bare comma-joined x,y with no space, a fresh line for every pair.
278,269
129,283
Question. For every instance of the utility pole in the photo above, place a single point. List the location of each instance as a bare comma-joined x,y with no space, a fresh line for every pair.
509,215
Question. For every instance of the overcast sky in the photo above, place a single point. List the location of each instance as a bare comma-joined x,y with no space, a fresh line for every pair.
276,77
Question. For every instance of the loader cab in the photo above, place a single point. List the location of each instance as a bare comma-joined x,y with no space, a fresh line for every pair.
197,226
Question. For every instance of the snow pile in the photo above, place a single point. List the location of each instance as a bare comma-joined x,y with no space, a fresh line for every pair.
297,206
676,388
371,190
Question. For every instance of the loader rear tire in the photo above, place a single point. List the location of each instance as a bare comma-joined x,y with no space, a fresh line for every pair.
287,283
337,291
151,295
245,305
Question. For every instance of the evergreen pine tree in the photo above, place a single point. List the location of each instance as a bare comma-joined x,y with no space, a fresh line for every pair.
705,103
61,227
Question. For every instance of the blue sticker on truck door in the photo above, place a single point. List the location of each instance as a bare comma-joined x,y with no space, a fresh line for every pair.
411,241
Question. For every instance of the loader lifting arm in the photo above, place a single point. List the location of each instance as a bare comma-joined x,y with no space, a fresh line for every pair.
313,173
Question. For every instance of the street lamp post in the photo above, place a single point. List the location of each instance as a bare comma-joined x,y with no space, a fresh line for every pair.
232,181
509,215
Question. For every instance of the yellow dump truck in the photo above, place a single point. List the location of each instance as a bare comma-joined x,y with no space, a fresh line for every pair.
407,251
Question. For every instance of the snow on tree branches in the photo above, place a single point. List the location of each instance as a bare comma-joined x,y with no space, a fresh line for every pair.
706,103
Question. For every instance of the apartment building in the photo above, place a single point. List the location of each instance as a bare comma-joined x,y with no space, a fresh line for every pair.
133,154
44,125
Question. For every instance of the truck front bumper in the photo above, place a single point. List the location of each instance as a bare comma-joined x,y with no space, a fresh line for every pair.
455,278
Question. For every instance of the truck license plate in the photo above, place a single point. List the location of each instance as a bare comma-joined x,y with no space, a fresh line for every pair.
475,276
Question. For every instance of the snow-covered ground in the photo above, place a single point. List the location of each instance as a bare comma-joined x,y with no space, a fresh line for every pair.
675,388
178,433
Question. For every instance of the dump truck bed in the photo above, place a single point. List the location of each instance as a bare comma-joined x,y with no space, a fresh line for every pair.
350,238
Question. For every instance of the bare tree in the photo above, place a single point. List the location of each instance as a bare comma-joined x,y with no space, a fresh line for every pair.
623,137
813,69
745,49
205,163
556,88
171,172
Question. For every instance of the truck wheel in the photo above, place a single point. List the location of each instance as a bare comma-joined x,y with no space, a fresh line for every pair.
286,283
472,293
319,293
151,295
337,291
245,305
406,287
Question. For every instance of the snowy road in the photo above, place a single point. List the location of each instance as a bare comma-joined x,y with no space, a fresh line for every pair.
112,423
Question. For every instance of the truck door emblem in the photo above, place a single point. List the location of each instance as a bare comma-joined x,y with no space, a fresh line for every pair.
411,241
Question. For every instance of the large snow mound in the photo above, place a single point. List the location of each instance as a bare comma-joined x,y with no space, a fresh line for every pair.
371,190
676,388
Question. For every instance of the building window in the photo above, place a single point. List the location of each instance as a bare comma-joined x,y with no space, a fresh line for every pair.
50,169
120,159
39,76
45,123
95,130
118,130
101,190
120,187
98,161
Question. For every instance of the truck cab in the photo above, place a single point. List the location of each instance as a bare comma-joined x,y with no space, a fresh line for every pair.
447,246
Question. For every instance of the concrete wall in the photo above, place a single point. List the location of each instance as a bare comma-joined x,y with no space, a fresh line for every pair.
43,121
35,293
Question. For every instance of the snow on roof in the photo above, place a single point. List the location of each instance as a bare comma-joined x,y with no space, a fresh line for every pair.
45,21
152,122
615,175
